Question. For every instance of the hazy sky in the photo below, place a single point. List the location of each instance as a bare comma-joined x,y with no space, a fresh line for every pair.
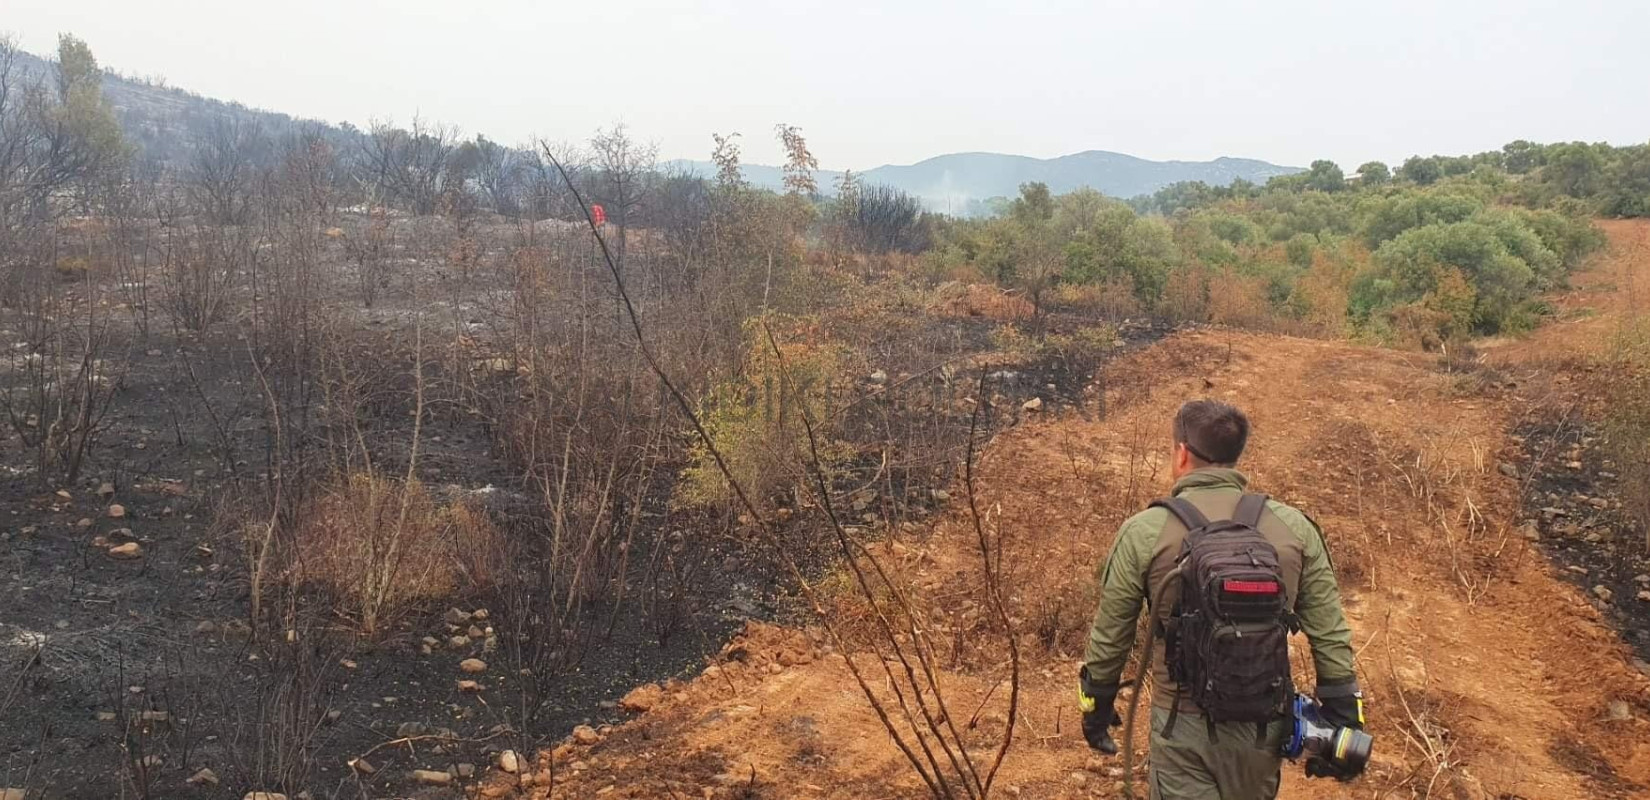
896,82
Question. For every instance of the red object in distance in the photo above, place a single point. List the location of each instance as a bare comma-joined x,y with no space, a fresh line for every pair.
598,213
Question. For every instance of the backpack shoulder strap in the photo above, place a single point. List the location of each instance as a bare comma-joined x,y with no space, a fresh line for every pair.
1249,509
1184,511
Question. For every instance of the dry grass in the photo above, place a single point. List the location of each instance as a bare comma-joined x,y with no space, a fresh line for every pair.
381,545
1114,298
1239,301
980,300
1186,296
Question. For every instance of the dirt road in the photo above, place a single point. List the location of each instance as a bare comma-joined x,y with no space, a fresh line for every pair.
1488,675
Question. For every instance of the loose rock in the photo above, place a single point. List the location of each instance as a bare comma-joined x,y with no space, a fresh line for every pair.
127,551
473,665
1619,711
206,777
106,490
584,734
643,698
1034,404
1603,593
509,762
362,766
430,777
117,511
469,686
264,796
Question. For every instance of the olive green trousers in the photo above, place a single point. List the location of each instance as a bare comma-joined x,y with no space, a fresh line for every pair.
1190,765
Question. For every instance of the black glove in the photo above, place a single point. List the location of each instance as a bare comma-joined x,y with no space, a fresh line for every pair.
1319,767
1098,703
1341,704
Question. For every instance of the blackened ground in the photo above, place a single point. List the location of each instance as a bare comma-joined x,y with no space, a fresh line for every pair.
89,644
1573,500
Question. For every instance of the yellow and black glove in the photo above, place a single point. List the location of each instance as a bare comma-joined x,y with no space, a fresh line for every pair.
1340,703
1098,703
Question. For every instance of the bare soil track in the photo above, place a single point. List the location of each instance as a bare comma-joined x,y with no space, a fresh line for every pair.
1490,671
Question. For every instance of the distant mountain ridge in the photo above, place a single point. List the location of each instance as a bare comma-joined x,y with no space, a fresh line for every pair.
954,182
168,123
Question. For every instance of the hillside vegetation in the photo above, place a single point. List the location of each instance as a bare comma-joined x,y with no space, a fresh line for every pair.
371,463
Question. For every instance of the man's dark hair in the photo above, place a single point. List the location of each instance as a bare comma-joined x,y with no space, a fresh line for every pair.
1215,432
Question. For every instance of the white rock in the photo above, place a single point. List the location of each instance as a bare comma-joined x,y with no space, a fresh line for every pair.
1034,404
509,762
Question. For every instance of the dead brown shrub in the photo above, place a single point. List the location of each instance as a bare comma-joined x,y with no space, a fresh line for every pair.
1239,301
381,545
1114,298
1186,295
980,300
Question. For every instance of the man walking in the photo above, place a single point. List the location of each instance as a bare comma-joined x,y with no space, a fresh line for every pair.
1222,607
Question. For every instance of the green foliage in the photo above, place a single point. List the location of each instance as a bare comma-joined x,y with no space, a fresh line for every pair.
1418,260
1574,169
86,115
1299,249
1425,256
1034,204
1325,176
757,418
1374,173
1394,214
1626,191
1421,171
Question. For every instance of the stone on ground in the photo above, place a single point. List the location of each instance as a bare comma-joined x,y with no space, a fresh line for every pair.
643,698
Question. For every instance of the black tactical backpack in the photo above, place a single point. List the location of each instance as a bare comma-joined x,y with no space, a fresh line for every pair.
1227,638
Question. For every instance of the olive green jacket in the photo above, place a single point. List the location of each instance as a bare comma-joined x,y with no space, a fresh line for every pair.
1145,550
